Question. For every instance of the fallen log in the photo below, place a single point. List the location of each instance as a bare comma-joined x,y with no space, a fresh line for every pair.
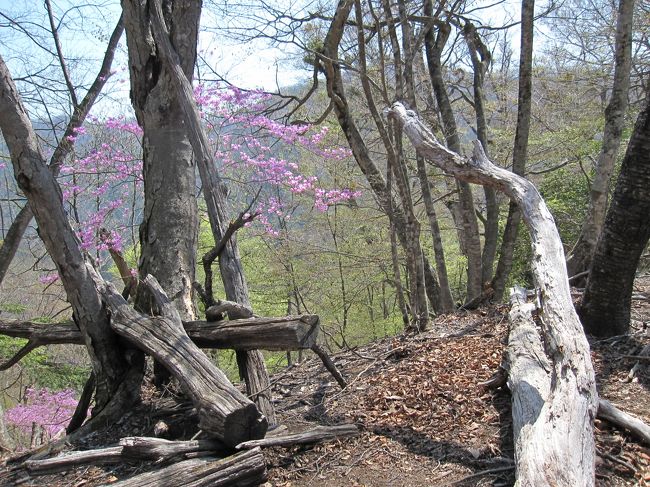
100,456
223,411
158,449
243,469
320,433
293,332
556,446
276,334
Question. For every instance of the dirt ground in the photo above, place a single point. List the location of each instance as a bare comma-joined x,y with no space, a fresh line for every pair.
425,418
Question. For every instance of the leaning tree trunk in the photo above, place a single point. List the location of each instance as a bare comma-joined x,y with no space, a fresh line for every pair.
605,309
251,363
18,227
556,445
168,232
580,258
79,279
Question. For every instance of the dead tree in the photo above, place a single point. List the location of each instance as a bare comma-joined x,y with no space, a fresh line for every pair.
556,445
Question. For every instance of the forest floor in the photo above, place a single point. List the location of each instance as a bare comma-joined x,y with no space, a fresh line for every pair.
425,420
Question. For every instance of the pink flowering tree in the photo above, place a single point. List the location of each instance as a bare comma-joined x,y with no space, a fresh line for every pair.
49,410
256,155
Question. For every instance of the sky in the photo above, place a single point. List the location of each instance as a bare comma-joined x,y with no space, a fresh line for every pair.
84,33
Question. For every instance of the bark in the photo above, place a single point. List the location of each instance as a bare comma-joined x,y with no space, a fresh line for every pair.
243,469
580,257
275,334
560,433
605,309
520,149
18,227
79,279
223,411
168,232
252,366
464,215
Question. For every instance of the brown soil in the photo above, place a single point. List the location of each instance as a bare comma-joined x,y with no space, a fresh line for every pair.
425,419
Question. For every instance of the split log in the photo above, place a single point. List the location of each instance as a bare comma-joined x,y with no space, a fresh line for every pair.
223,411
158,449
243,469
292,332
276,334
556,446
320,433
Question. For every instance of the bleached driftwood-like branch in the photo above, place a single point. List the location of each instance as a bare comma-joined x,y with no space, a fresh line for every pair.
555,444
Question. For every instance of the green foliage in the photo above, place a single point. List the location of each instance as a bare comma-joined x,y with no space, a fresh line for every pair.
567,195
40,370
14,308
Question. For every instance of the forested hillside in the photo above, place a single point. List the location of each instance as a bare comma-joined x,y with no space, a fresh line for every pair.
442,226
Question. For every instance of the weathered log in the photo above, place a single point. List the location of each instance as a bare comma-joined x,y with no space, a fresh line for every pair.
277,334
609,412
223,411
320,433
243,469
556,446
100,456
147,448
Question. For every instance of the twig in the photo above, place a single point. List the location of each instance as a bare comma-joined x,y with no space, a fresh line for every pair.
489,471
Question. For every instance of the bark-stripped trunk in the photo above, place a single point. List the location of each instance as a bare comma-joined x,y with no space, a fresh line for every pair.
168,232
464,215
520,149
555,443
252,366
605,309
580,258
79,279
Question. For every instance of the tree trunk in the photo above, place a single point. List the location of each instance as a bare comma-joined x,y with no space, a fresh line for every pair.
252,366
242,470
560,436
224,412
580,257
520,149
465,218
481,59
605,309
336,92
168,232
275,334
79,279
